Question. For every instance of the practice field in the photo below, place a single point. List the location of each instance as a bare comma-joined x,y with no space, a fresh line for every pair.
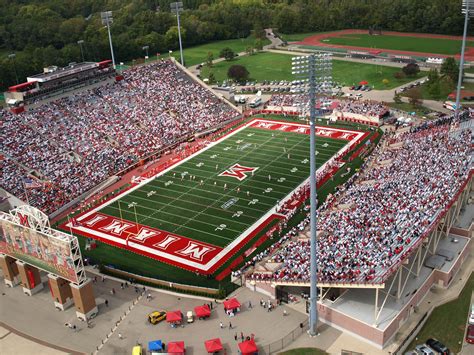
415,44
206,208
198,54
277,66
412,44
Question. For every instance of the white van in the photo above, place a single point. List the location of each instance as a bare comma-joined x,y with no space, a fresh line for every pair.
257,101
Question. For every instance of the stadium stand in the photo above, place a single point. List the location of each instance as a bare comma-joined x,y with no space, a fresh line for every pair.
71,144
383,211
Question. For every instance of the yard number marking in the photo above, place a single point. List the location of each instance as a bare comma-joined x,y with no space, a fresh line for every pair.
237,214
220,227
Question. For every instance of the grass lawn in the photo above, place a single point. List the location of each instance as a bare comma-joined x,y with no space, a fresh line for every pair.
404,106
445,90
447,323
415,44
304,351
198,54
277,66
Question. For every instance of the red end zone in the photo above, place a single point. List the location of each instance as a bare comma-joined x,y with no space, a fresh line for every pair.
177,250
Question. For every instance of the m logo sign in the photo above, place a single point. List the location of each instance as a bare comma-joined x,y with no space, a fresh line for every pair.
238,171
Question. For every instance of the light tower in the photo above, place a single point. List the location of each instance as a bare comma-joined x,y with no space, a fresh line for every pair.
178,7
468,11
107,20
80,43
12,57
317,71
145,48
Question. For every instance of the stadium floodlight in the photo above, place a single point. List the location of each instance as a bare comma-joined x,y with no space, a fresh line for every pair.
12,57
468,11
80,43
178,7
317,69
107,20
145,48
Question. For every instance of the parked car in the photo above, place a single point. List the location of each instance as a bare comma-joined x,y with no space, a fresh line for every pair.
156,317
438,346
470,334
190,317
471,319
424,350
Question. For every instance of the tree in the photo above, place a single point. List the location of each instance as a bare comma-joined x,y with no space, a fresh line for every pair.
209,59
450,69
258,44
415,97
212,78
385,82
249,50
411,69
434,89
397,98
227,53
399,75
238,73
433,77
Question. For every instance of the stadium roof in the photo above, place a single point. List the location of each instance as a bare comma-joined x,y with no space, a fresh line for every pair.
62,72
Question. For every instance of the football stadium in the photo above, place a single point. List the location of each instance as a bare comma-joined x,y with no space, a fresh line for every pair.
122,184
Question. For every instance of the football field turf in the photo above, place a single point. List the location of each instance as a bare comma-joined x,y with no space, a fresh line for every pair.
199,212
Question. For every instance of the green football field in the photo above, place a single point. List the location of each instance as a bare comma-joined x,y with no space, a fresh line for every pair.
193,201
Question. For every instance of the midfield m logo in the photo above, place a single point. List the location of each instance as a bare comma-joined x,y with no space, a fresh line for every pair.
238,171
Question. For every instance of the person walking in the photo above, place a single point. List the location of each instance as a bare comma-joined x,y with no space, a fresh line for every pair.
221,325
230,325
120,336
106,303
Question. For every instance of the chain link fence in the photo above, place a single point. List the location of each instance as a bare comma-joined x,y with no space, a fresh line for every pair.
278,345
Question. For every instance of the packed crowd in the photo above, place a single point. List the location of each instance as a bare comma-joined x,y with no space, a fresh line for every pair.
76,142
383,211
366,108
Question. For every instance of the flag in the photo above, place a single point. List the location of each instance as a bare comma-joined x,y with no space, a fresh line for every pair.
31,184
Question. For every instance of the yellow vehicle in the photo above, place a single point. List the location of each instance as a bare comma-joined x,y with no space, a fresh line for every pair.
156,317
137,350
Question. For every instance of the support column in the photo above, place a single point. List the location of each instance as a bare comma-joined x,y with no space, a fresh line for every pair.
10,270
376,306
61,292
84,300
30,278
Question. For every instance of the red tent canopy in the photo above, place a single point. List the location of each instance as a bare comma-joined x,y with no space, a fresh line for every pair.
248,347
363,82
176,347
202,311
231,304
174,317
213,345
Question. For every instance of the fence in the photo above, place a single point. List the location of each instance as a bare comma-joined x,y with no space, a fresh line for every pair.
285,341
